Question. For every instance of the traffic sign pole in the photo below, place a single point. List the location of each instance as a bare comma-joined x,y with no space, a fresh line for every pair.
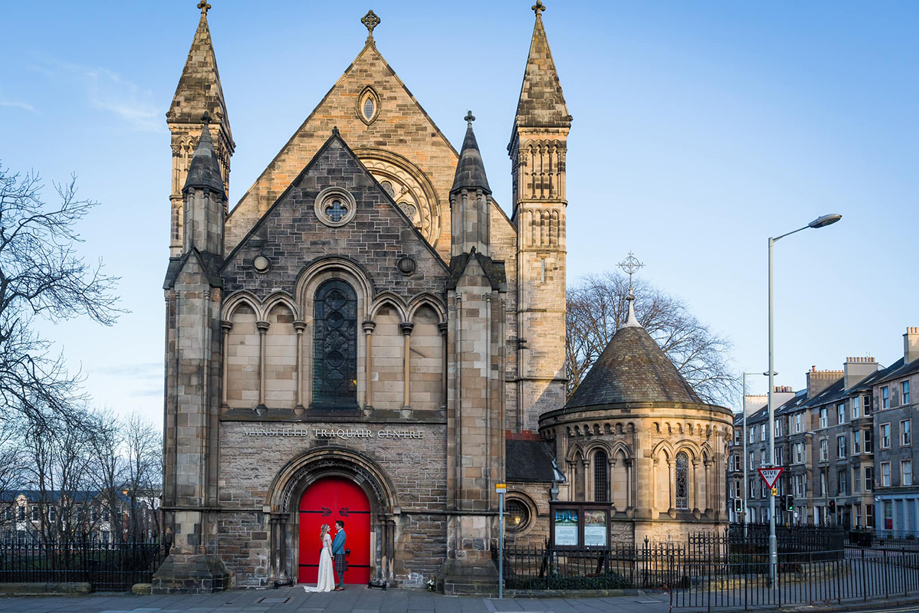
501,488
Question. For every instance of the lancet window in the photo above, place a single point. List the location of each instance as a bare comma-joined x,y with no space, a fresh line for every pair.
335,346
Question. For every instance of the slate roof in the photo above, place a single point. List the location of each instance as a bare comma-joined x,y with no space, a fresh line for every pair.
204,171
632,368
528,461
470,169
541,103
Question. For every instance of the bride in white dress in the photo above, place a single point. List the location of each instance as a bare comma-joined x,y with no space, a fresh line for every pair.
326,581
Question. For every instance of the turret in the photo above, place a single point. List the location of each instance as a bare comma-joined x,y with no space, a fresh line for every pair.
470,199
198,91
204,198
537,149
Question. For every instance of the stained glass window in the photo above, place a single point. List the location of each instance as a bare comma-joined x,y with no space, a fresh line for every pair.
335,346
601,482
516,516
682,481
336,210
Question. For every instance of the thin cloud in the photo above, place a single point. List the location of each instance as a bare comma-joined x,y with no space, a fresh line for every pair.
107,91
144,371
16,104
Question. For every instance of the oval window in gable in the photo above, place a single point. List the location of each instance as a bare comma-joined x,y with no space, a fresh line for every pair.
368,106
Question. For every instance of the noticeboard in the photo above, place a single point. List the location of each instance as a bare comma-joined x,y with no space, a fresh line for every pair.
579,525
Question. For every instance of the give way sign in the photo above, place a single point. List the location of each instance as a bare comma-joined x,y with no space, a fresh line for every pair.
770,475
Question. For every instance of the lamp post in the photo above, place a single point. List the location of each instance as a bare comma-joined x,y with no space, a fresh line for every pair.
820,222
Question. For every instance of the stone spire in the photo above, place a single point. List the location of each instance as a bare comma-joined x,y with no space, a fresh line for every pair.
199,87
470,169
470,199
542,103
204,171
198,93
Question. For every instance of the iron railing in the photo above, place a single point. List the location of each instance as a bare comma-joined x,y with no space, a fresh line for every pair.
802,579
108,567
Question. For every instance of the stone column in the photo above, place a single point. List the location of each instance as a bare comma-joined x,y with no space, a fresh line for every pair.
226,326
588,482
369,327
709,503
299,326
629,467
262,329
442,328
694,507
406,328
671,469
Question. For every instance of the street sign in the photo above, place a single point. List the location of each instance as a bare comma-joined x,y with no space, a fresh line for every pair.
501,488
770,475
775,491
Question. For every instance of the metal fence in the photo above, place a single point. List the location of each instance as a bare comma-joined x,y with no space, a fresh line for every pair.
855,574
108,567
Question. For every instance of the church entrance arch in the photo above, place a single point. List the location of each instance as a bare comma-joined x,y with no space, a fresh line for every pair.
327,501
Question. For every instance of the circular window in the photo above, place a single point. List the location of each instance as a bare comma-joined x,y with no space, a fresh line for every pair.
516,516
406,264
335,207
261,264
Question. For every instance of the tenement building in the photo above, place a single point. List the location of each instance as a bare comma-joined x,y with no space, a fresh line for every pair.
367,336
845,443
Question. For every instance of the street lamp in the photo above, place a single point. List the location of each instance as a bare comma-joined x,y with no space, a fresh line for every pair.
820,222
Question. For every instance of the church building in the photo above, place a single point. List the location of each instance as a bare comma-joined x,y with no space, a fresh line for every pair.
367,336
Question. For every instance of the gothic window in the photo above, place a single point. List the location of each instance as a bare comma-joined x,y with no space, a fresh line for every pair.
601,480
368,108
335,346
682,481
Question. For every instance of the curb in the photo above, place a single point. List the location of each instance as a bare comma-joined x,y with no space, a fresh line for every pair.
862,606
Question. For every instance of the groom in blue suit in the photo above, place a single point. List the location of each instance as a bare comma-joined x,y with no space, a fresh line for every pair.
338,551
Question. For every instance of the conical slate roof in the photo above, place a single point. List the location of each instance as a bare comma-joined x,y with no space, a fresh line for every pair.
204,171
470,169
632,368
542,103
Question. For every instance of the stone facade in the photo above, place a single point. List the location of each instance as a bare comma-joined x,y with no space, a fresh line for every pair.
355,316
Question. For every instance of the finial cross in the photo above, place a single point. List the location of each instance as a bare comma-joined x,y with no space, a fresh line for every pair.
370,21
469,118
538,7
630,266
204,6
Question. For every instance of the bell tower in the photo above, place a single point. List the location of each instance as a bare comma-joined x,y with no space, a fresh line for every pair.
538,146
198,91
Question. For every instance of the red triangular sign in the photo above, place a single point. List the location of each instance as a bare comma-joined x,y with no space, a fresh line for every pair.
770,475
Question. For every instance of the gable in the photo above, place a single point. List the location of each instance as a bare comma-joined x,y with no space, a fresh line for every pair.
291,235
401,146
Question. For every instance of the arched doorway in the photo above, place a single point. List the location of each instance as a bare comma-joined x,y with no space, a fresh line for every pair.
324,502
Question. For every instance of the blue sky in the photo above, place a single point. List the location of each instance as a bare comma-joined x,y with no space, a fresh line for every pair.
700,129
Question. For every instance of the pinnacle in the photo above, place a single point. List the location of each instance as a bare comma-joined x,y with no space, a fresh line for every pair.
470,169
542,103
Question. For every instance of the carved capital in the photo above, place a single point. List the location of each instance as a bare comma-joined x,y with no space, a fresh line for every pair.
226,325
368,327
299,326
442,328
406,327
262,326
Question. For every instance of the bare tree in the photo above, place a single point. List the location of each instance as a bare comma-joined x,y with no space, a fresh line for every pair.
598,307
143,452
41,275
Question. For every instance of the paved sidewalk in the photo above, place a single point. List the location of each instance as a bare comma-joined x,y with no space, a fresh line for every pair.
355,599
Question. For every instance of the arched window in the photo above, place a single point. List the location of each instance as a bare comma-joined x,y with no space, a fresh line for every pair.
368,108
682,481
516,516
601,477
335,346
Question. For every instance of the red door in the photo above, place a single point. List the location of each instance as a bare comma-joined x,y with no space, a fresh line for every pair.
325,502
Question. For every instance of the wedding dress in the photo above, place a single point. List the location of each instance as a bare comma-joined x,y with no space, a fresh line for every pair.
326,581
